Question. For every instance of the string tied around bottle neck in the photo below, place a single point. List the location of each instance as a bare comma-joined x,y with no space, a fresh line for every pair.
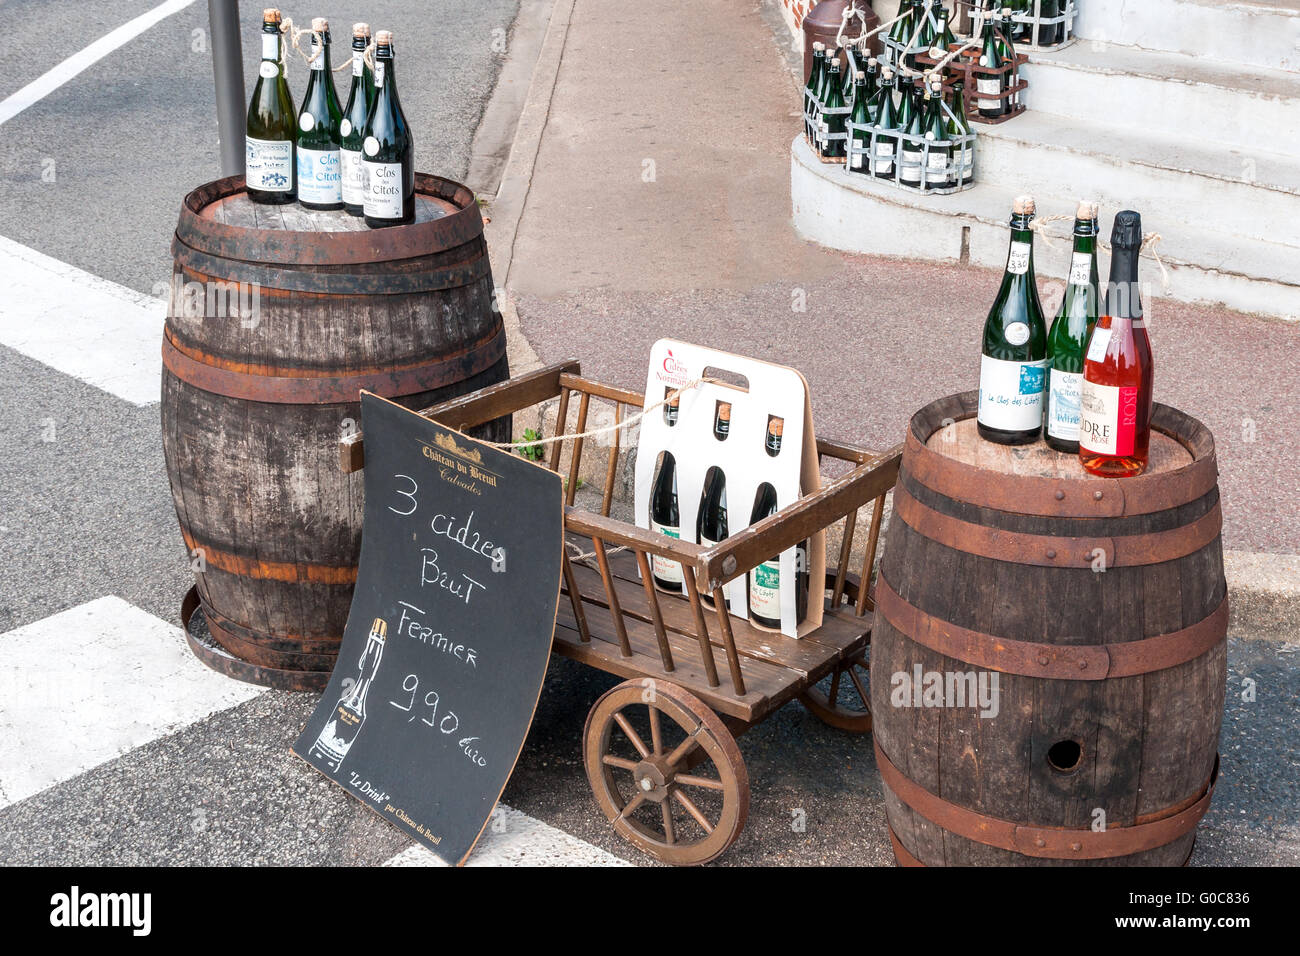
1148,247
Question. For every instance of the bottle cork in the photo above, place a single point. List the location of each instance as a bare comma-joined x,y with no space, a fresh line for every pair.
361,30
724,411
384,38
1023,206
320,25
819,45
270,15
776,427
1086,210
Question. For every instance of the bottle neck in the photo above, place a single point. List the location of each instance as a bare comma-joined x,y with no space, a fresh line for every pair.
271,43
1123,299
321,59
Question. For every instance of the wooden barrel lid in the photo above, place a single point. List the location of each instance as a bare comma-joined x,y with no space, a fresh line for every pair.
218,219
944,452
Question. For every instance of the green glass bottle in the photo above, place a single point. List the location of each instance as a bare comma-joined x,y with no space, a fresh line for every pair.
1005,33
872,76
859,123
1017,30
884,156
666,519
1067,341
944,38
270,169
352,128
812,89
1052,33
320,183
902,29
911,166
833,123
959,125
989,88
764,584
388,151
711,522
673,408
1013,362
935,129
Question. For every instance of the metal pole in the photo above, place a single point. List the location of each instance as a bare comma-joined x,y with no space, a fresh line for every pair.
228,77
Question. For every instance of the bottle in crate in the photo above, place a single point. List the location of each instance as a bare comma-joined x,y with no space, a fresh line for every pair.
934,127
911,155
665,519
711,522
816,76
958,126
944,39
884,155
832,128
989,87
859,139
765,580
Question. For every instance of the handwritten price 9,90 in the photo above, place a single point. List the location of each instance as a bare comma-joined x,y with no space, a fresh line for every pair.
431,700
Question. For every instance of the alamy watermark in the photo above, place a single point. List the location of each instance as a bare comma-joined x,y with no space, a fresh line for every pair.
954,689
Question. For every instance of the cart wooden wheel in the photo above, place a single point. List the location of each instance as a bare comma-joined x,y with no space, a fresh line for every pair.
666,771
843,700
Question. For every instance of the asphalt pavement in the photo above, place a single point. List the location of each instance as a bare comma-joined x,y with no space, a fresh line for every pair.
85,509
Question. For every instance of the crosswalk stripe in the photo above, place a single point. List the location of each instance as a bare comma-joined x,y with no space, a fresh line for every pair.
97,681
56,76
97,331
516,839
93,683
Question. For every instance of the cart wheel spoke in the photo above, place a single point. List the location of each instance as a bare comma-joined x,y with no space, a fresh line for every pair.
691,780
685,747
656,737
632,735
670,835
839,710
632,805
834,695
693,810
609,760
863,693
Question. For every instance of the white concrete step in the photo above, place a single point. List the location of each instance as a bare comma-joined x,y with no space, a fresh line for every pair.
1173,93
1239,192
856,214
1253,33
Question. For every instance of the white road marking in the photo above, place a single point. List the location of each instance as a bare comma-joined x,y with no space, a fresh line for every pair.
56,76
92,683
97,331
516,839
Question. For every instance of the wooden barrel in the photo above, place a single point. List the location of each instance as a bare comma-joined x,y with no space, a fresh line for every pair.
1092,616
279,317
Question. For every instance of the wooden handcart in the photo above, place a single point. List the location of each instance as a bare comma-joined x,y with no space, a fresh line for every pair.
660,749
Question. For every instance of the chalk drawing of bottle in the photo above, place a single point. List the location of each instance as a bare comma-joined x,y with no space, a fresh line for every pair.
341,729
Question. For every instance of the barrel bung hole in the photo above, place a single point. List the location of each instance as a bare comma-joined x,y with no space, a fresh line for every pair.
1064,756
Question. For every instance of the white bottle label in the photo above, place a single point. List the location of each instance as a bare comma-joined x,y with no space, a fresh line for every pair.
1108,418
883,162
268,164
937,168
1098,344
1063,405
665,569
1018,258
353,181
345,127
765,591
991,86
318,57
379,73
912,161
319,177
357,63
1011,394
1017,333
857,160
270,46
267,70
306,122
383,190
1081,269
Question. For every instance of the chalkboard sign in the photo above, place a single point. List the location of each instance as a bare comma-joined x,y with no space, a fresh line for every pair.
449,634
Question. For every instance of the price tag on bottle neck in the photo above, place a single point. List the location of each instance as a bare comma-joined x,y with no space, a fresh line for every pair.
271,46
318,57
1081,269
358,62
379,73
1018,260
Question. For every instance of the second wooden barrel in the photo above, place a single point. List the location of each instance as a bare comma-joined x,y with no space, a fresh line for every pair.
279,317
1048,658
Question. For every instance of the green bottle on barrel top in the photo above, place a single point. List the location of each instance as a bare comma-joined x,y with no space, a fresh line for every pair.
666,519
320,181
352,128
1067,341
765,580
388,152
711,523
885,154
1013,361
270,171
